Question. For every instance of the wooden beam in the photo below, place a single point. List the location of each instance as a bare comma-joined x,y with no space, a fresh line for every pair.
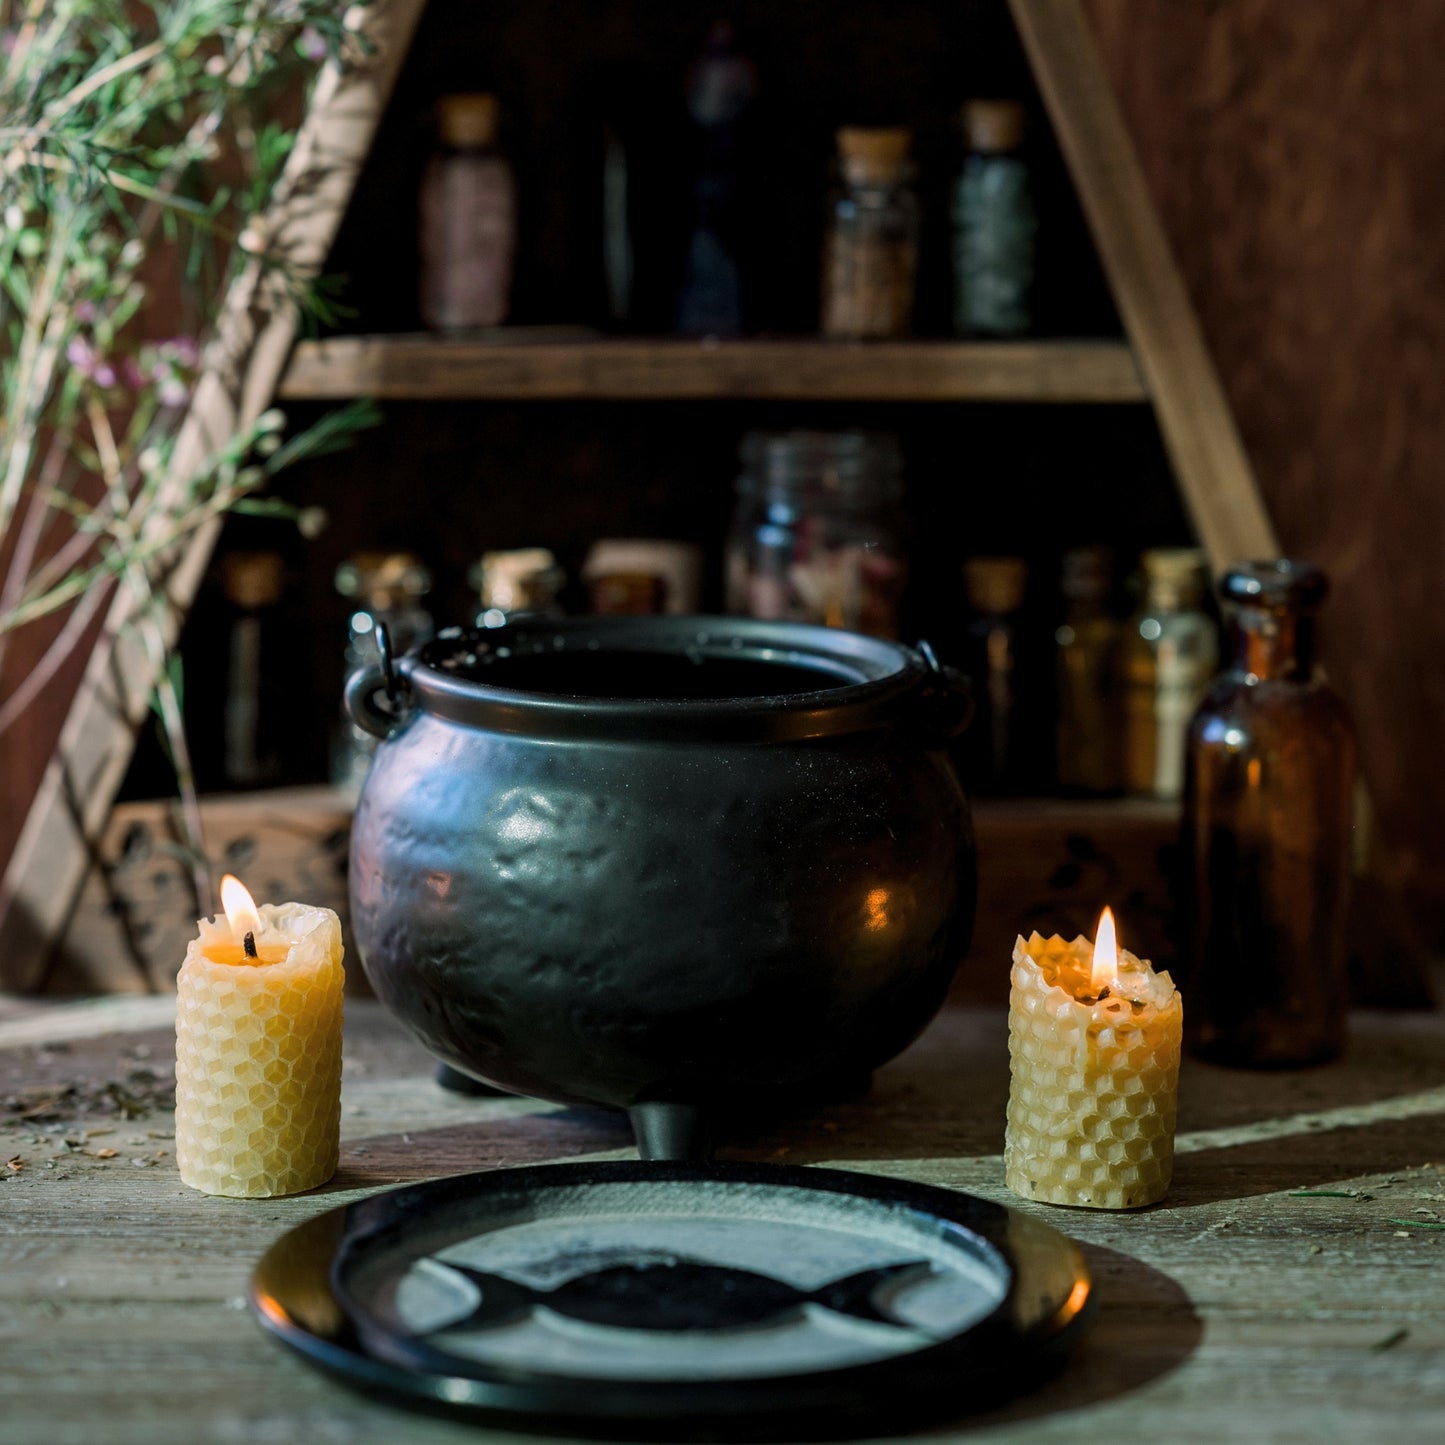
587,367
243,365
1213,471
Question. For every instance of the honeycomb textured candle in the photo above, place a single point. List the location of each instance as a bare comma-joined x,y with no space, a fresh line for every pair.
258,1056
1094,1082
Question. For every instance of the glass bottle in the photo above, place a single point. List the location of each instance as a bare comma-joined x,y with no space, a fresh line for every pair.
870,250
1268,814
511,583
722,88
1170,652
468,219
382,587
638,574
993,224
995,588
254,706
1088,749
817,531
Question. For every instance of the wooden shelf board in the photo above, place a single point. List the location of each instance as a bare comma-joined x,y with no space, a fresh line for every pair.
422,367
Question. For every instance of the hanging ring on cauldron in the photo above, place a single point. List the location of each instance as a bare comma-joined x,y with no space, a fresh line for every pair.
950,709
363,688
388,674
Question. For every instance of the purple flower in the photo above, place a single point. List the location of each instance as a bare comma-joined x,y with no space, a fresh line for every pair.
182,350
85,312
312,44
173,392
103,375
79,354
131,374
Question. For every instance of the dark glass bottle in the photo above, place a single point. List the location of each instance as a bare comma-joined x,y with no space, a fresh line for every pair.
995,588
722,90
1088,746
468,219
1268,798
993,225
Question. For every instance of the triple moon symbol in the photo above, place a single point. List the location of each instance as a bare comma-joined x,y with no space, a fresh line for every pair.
674,1295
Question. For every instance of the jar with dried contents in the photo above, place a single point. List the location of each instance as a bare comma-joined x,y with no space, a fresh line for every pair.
870,251
817,530
468,219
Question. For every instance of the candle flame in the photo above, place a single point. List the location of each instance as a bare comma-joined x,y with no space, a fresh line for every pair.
1105,972
240,906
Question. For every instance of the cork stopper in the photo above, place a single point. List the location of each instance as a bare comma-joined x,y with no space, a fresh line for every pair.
874,155
468,120
252,580
993,125
517,580
383,580
995,584
1175,576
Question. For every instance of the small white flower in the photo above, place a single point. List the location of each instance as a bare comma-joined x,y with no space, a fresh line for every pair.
311,521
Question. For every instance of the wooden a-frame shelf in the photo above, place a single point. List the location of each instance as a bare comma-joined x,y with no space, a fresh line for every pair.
496,367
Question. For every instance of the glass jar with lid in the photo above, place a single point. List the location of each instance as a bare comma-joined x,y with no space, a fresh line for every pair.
520,582
870,249
817,530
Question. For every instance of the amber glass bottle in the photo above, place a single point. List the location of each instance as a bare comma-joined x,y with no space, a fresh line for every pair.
1170,652
1088,749
1270,781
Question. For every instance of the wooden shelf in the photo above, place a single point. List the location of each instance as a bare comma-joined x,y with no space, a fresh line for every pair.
419,368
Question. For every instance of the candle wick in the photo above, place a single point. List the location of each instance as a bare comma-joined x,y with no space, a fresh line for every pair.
248,945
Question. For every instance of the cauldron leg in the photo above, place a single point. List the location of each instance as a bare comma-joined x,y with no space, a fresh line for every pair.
672,1131
460,1083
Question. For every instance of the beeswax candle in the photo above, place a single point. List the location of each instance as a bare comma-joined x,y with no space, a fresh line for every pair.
1094,1055
258,1049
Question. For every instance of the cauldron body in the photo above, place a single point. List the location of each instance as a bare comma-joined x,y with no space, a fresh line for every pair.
680,863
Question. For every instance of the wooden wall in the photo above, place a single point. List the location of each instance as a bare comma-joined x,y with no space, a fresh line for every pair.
1297,155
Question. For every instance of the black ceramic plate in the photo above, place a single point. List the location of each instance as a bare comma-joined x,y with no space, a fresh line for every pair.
739,1299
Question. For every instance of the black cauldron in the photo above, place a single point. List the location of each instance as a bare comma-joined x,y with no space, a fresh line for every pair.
679,866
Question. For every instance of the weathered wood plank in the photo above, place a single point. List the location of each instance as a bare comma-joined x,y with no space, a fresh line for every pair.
438,368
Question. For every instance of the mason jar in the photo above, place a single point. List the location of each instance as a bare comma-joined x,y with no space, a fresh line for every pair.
817,530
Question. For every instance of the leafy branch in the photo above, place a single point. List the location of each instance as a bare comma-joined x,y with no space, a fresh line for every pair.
138,157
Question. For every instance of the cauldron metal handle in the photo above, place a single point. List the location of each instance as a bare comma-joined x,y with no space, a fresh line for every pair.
947,704
364,686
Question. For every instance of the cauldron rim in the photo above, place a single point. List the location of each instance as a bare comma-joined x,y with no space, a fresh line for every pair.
888,680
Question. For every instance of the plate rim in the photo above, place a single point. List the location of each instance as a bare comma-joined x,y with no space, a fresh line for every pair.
1017,1338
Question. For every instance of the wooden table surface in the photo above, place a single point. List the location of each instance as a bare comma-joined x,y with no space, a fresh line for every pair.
1291,1287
